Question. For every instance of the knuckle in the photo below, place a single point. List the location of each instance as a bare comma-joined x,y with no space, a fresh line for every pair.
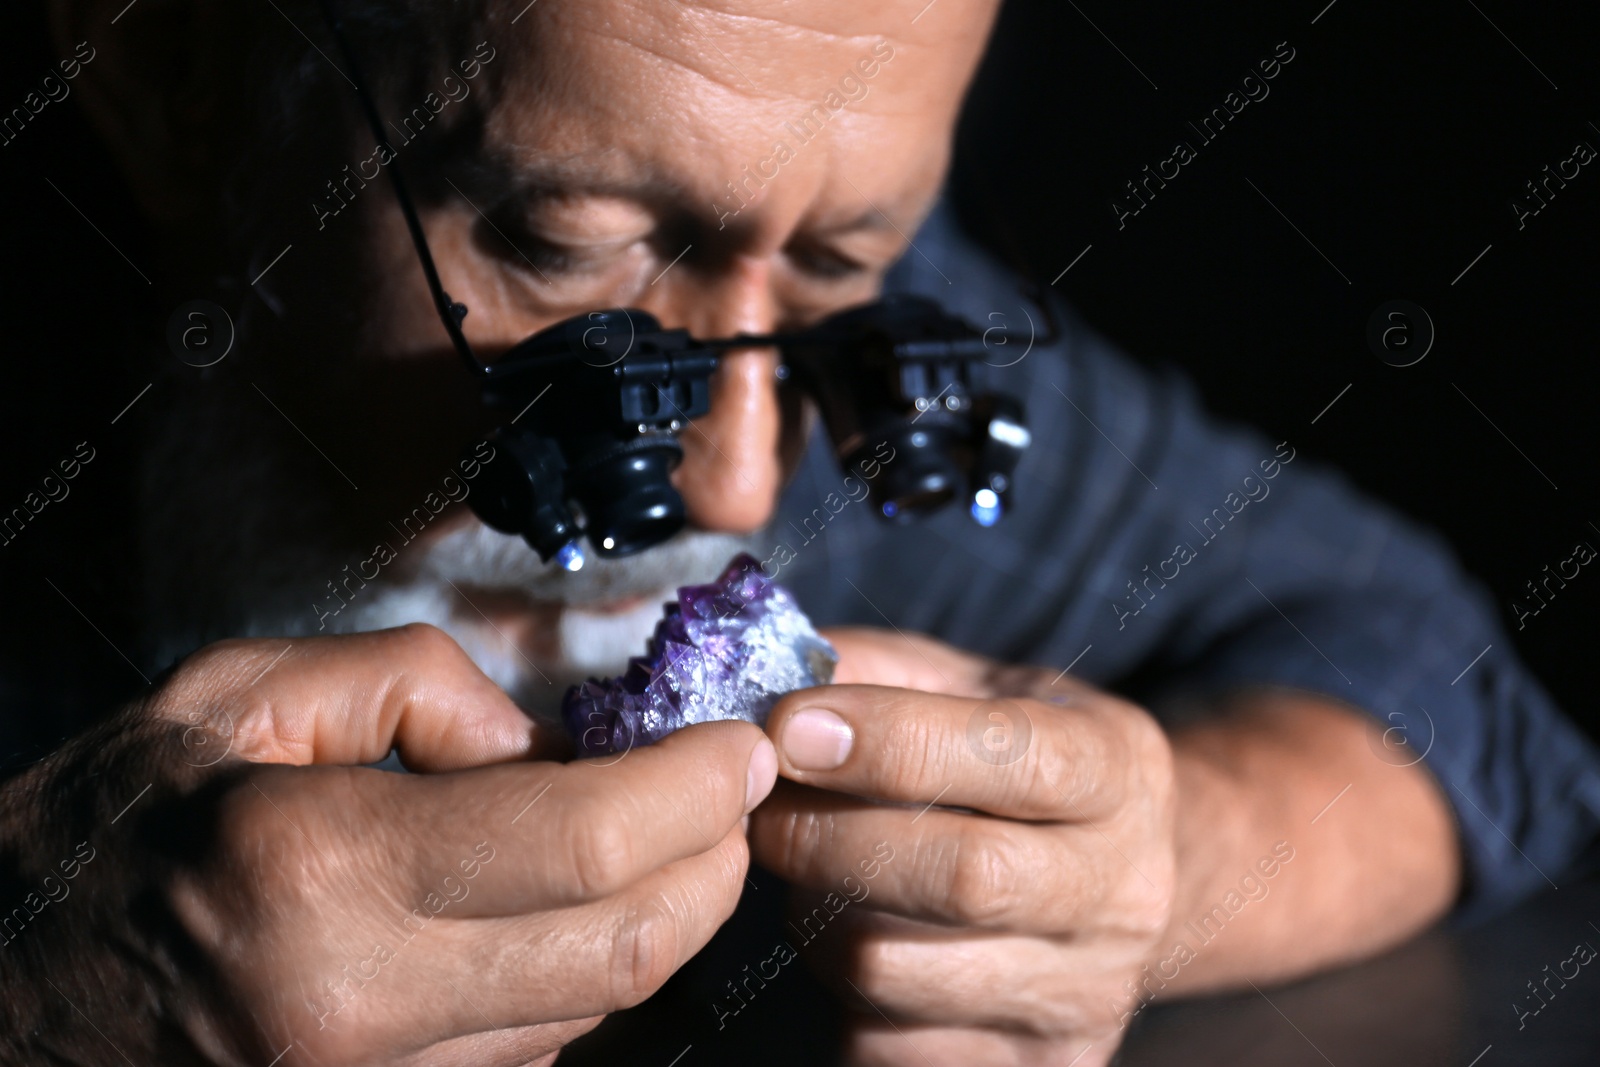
1140,902
873,965
267,730
1057,779
257,881
987,878
644,953
291,885
220,656
1111,773
309,833
208,675
259,835
658,931
602,856
1116,752
1152,749
1130,739
430,645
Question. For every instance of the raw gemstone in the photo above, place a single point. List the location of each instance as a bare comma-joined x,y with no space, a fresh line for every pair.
727,650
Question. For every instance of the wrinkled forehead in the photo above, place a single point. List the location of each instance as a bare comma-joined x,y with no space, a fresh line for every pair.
727,44
684,94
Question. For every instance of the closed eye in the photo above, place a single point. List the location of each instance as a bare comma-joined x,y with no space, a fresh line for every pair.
825,263
547,257
509,238
521,243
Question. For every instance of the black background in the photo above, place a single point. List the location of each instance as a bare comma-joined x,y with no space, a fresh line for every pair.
1395,141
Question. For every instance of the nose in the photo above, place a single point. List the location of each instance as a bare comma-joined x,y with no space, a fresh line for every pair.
731,471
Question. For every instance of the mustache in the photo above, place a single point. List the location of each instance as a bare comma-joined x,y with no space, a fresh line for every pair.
477,555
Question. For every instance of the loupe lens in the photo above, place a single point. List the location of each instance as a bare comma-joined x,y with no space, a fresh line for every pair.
924,474
520,491
629,501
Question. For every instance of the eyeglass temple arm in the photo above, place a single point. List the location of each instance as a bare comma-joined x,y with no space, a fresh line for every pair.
450,312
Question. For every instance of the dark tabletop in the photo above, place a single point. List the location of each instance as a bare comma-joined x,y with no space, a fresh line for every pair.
1448,997
1444,998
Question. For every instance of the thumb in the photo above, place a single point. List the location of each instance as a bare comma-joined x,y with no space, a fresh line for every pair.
348,699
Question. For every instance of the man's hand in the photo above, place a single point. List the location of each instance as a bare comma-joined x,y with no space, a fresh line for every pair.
1057,861
1033,851
248,894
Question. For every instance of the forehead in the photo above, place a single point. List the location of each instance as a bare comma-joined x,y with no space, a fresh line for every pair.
681,99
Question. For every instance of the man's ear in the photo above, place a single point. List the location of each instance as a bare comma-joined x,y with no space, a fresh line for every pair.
154,80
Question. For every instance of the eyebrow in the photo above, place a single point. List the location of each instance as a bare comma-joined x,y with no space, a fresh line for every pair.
870,219
502,181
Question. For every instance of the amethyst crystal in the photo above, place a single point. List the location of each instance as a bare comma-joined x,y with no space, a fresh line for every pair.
727,650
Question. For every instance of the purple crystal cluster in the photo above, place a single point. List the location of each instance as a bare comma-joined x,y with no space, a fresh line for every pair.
727,650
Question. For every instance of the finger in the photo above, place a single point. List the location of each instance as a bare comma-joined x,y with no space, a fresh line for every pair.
948,867
926,974
869,656
559,835
347,700
1016,758
570,964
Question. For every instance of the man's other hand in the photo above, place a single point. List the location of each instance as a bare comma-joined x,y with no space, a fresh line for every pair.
251,892
1030,836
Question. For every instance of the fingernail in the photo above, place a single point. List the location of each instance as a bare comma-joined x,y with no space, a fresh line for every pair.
761,776
816,740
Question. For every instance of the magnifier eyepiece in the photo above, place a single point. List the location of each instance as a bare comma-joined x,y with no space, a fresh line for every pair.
521,491
897,378
601,398
893,380
923,475
627,496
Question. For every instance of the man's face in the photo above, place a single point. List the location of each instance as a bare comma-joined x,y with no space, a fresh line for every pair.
745,167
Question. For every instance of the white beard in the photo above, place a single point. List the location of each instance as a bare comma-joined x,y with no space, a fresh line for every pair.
589,643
